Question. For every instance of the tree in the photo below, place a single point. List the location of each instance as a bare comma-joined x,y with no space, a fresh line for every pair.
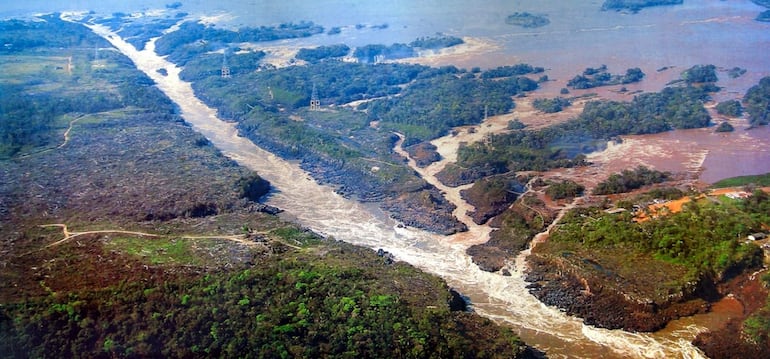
700,74
757,102
724,127
730,108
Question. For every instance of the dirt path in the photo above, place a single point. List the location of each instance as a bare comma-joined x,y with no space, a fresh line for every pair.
68,235
64,143
475,233
69,129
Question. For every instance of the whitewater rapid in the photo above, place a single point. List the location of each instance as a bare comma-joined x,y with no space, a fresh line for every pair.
501,298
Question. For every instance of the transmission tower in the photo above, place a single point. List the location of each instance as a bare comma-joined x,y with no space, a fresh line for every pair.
97,62
315,103
225,68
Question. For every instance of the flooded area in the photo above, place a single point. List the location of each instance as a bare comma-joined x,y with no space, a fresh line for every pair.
699,153
663,42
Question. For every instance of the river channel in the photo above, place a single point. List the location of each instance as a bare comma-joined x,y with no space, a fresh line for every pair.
501,298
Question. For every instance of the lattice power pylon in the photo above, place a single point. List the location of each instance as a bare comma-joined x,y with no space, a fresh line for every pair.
315,103
225,69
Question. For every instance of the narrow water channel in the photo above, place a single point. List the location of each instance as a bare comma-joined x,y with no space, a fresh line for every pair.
501,298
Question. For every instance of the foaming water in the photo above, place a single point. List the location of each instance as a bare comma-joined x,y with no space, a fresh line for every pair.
502,298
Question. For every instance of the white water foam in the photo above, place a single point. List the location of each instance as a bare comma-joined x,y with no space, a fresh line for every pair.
504,299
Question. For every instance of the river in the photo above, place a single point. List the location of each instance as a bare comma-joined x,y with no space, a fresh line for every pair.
501,298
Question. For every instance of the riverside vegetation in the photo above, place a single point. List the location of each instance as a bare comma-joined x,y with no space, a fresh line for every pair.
126,234
349,143
352,147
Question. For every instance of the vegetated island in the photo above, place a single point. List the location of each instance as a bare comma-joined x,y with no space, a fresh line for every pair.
527,20
764,16
636,5
377,52
125,233
595,77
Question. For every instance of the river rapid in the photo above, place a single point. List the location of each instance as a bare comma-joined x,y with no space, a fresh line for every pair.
501,298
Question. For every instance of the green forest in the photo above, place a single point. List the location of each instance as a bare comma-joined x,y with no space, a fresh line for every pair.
322,52
551,105
629,180
732,108
34,120
292,305
756,103
595,77
371,53
705,239
194,39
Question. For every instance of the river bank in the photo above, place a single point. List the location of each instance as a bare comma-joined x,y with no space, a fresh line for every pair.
318,207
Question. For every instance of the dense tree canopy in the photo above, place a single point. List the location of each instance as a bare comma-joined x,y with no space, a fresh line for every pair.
629,180
323,52
595,77
194,38
730,108
551,105
757,102
700,74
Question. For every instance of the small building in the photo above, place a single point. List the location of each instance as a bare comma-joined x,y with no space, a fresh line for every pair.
757,236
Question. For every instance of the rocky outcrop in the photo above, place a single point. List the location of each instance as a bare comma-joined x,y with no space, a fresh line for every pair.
426,209
516,227
457,303
602,305
416,204
262,208
491,196
730,341
453,175
423,153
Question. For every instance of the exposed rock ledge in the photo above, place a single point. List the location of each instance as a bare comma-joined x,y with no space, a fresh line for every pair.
599,305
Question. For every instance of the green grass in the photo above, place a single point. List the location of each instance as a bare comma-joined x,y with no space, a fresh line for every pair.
158,250
760,180
294,235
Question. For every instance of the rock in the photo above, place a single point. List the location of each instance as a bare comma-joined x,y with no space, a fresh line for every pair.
533,286
389,258
458,302
555,284
489,259
263,208
423,153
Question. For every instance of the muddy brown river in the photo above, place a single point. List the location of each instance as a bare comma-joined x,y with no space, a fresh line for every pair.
501,298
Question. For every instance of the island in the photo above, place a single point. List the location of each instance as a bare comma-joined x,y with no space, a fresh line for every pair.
636,5
527,20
